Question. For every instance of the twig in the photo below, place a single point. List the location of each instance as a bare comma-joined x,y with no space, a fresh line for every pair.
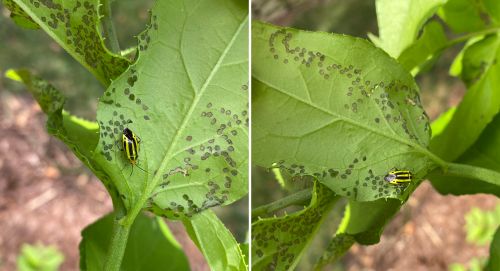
41,199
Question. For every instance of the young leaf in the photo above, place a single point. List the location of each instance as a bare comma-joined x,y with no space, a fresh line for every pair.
337,108
478,107
185,98
74,25
278,243
425,50
494,260
400,21
216,242
151,246
463,15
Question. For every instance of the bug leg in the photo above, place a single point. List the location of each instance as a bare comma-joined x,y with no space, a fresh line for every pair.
132,171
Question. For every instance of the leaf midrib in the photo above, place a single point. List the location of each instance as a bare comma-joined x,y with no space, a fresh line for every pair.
353,122
168,156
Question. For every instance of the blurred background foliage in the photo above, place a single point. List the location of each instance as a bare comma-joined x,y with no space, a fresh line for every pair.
39,258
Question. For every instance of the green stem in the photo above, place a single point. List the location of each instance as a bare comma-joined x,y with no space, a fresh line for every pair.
471,35
294,199
473,172
109,28
116,249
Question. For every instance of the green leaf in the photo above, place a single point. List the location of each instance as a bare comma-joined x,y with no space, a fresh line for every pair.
366,220
463,15
426,50
399,22
337,108
478,58
456,67
74,25
494,260
439,124
478,107
216,242
484,153
81,136
150,246
189,110
278,243
39,258
19,16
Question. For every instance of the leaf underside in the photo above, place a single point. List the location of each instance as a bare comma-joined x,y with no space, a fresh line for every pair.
19,16
277,243
189,110
336,108
74,25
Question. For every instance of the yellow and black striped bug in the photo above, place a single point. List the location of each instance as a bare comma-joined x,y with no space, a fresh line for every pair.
131,143
398,176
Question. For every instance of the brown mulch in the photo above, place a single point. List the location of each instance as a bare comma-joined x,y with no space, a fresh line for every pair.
46,195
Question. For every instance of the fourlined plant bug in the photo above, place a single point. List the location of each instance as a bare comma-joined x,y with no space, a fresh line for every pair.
398,176
131,143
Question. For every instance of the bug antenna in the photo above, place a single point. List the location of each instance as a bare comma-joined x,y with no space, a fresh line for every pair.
141,169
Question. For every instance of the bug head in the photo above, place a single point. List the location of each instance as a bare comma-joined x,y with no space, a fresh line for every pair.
127,132
391,177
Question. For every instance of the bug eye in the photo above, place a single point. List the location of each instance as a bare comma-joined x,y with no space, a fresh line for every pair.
390,177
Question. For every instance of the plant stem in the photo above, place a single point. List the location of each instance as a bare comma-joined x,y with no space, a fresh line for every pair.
109,28
473,172
293,199
471,35
116,249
